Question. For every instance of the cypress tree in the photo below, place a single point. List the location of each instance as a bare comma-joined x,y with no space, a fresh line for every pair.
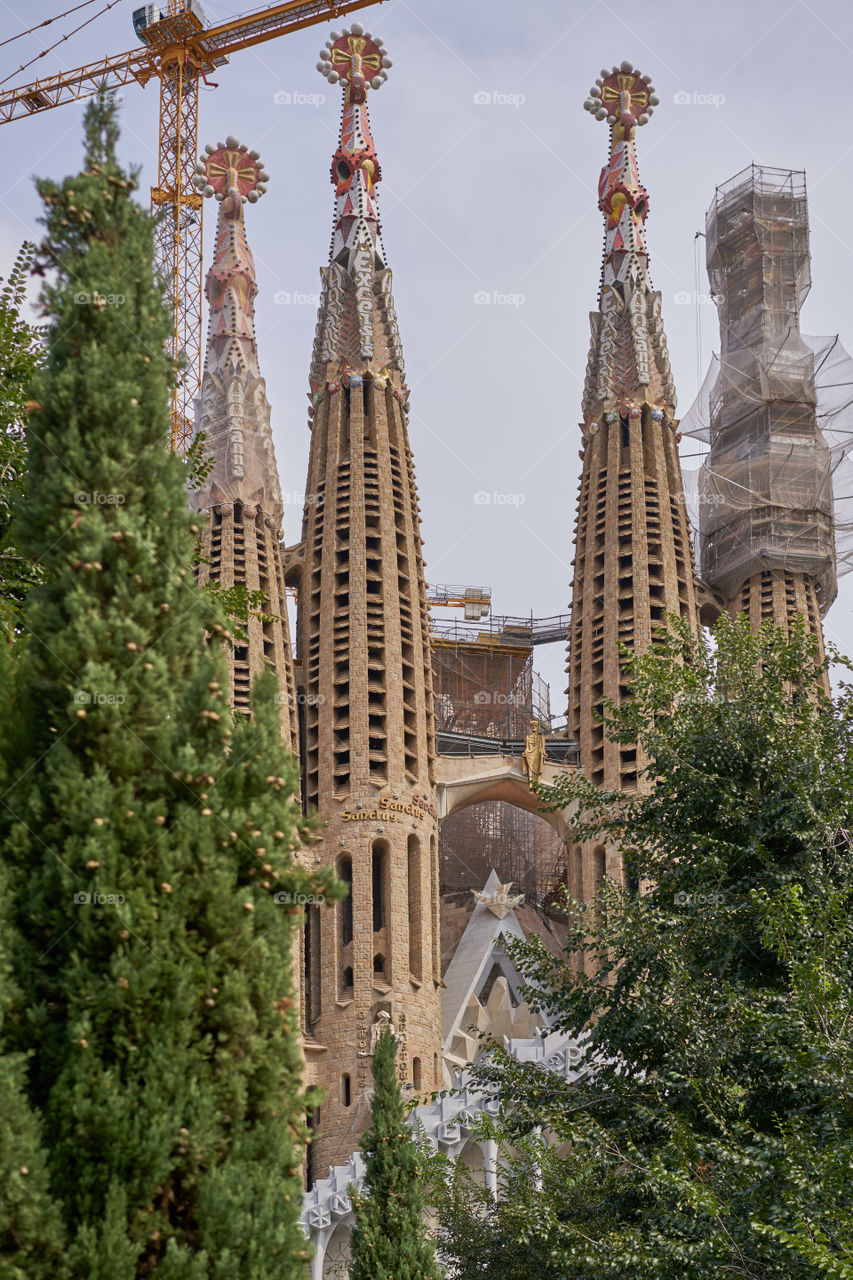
389,1240
149,841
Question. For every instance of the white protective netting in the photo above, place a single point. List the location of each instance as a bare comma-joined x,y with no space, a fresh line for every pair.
774,490
777,485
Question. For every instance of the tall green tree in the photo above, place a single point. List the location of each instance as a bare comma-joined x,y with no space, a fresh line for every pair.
710,1129
389,1240
149,841
20,355
32,1239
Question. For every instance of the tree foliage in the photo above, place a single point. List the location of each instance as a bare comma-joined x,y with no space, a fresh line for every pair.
148,841
20,355
32,1239
389,1240
709,1130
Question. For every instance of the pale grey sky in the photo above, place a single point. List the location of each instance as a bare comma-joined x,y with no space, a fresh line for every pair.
490,168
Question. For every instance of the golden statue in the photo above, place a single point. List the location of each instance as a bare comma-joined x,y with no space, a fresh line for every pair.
533,756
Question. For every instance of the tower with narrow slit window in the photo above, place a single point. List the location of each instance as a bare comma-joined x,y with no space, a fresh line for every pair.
363,639
633,558
240,497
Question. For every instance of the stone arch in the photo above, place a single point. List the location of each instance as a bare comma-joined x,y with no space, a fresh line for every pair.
337,1254
471,1156
495,835
480,1157
462,781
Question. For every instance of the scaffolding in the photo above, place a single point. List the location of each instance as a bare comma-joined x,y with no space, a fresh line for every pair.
833,381
486,688
505,632
765,492
495,835
487,691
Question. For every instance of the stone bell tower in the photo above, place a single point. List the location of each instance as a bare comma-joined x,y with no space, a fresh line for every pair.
363,639
633,557
241,497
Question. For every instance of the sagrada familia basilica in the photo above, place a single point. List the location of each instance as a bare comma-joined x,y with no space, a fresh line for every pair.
373,694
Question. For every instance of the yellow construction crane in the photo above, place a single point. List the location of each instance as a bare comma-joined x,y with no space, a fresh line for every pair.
180,50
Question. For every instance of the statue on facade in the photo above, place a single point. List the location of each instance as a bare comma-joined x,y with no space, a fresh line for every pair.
382,1022
533,757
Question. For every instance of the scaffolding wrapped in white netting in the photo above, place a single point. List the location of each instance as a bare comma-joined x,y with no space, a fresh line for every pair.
775,407
786,493
757,246
778,492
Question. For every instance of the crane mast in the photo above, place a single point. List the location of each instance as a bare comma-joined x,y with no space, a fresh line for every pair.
180,50
178,236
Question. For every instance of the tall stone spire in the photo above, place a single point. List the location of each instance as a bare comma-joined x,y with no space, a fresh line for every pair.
628,358
241,494
357,325
364,644
633,558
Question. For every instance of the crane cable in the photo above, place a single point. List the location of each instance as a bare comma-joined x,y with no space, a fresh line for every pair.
57,43
46,23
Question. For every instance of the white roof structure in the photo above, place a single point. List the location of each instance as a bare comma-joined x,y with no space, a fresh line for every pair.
483,994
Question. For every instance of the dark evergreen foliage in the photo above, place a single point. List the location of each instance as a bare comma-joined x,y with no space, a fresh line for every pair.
20,355
389,1240
149,842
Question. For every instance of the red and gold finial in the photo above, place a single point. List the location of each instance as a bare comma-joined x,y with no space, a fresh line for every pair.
624,97
356,59
628,361
230,169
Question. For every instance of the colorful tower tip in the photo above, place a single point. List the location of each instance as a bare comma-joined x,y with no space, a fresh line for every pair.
230,168
624,97
356,59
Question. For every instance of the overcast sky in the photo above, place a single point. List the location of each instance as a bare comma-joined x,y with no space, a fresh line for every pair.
490,168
